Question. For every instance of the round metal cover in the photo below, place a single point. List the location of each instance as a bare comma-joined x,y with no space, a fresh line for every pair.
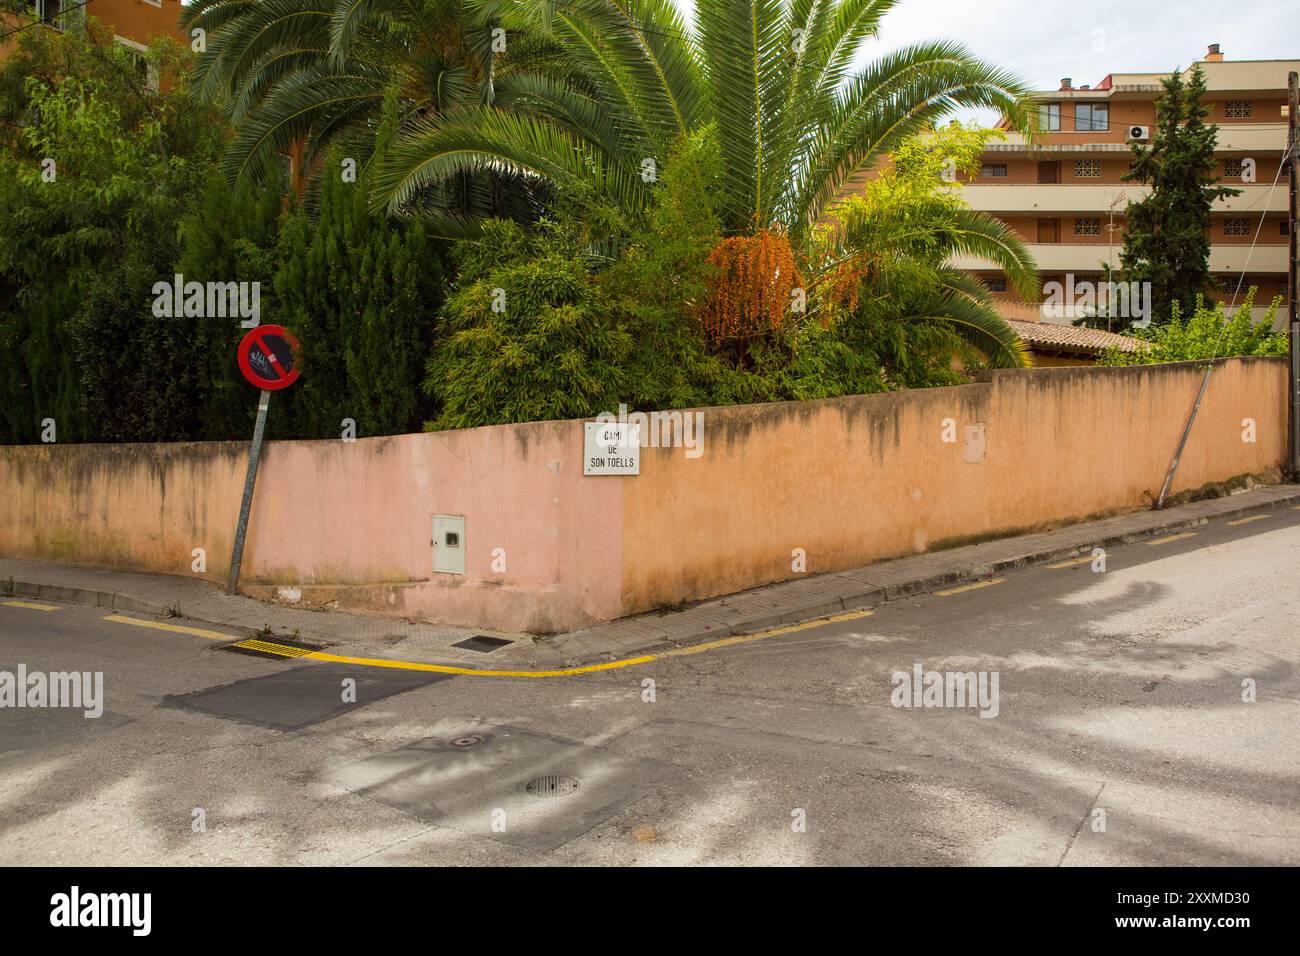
552,786
469,740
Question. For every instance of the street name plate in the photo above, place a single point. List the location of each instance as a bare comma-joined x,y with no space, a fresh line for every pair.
611,448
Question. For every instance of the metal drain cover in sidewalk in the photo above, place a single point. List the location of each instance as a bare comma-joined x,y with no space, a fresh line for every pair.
552,786
482,643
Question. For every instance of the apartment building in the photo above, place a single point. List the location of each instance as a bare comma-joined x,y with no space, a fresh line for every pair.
134,23
1066,199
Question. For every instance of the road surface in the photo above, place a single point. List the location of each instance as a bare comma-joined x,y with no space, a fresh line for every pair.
1145,714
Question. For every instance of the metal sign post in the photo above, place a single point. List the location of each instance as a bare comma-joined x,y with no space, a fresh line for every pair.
267,356
241,529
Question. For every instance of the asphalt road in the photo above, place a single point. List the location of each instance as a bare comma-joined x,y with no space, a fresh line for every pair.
1121,736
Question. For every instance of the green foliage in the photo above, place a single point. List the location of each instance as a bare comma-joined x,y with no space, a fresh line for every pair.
547,350
321,75
362,294
1206,334
84,239
660,280
228,234
137,198
627,328
883,262
795,119
1166,242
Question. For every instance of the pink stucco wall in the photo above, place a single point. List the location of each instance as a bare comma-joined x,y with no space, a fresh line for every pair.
847,480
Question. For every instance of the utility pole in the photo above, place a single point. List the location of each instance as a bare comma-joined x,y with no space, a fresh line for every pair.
1293,154
1110,260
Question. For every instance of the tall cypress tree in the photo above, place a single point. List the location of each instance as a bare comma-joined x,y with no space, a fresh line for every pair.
1167,242
362,293
228,235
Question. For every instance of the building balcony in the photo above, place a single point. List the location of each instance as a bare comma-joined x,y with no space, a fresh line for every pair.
1036,198
1246,138
1085,258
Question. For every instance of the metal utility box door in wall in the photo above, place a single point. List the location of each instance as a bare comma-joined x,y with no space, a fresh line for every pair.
449,544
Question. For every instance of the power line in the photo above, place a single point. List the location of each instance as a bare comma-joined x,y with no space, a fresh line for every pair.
44,20
1286,156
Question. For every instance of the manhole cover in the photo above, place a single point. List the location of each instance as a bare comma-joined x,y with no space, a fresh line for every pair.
552,786
467,741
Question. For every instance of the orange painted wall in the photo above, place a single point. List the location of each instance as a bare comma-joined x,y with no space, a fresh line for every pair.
857,479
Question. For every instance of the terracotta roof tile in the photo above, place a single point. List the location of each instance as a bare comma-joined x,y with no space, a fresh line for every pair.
1068,338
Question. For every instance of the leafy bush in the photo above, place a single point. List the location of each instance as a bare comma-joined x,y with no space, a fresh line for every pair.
136,198
83,240
1207,333
528,334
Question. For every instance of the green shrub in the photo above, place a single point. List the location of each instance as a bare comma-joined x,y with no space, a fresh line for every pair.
528,336
1207,333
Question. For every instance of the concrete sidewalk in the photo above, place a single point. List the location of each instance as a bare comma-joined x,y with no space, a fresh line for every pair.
815,596
195,600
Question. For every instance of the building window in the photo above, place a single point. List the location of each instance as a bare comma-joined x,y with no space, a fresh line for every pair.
53,13
996,283
1232,168
1091,117
1238,109
1236,226
146,68
1049,116
998,170
1087,226
1087,168
1284,227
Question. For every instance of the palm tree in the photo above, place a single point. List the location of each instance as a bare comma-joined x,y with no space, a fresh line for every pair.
312,75
793,118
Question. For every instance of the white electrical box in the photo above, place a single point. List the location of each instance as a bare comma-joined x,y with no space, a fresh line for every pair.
449,544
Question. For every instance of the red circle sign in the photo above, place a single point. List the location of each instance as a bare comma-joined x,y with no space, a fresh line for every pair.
268,357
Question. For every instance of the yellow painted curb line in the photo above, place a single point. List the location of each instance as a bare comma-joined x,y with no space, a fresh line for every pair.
589,668
1172,537
177,628
467,671
1248,520
30,605
1073,562
970,587
271,647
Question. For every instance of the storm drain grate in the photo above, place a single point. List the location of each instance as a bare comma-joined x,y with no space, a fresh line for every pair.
552,786
482,643
275,650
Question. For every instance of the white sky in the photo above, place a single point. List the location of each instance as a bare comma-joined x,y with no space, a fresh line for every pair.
1044,40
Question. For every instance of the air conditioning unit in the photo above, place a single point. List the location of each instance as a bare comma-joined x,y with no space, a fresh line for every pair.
1139,133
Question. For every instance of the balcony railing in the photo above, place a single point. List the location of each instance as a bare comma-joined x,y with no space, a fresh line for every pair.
1088,257
1036,198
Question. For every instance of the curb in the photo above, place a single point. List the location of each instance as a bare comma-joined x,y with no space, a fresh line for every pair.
110,600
